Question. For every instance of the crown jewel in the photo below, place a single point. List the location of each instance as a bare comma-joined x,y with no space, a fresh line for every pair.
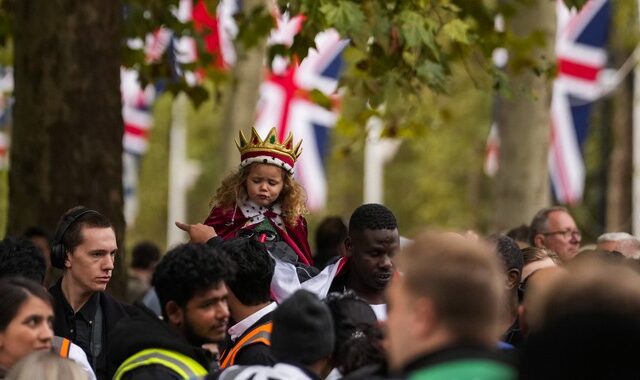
268,151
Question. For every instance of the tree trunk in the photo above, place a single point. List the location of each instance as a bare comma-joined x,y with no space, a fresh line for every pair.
67,136
618,211
522,185
243,94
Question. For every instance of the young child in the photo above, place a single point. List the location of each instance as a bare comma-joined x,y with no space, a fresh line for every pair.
262,199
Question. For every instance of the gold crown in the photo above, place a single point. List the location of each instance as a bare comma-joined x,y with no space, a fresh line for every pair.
257,147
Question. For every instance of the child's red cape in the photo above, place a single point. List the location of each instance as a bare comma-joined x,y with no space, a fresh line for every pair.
226,225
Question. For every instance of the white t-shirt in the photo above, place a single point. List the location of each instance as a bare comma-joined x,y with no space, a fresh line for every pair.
381,311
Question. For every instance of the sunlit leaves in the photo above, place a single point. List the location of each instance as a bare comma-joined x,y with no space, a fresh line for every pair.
345,16
457,30
414,30
398,49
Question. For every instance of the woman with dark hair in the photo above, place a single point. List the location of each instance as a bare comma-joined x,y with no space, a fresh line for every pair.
358,351
26,320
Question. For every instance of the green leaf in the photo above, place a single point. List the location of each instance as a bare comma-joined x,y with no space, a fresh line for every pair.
345,16
457,30
433,74
319,98
254,27
449,6
198,95
413,29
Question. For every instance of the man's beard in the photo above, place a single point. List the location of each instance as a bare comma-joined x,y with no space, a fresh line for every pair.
192,336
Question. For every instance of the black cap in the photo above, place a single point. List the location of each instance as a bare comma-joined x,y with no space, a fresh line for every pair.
302,330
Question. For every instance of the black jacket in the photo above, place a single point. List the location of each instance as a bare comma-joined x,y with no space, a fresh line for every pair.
112,312
145,330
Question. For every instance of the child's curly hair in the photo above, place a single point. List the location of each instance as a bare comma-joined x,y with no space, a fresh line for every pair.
292,198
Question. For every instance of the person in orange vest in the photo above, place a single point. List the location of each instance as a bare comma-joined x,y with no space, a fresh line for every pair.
303,339
21,257
250,305
190,282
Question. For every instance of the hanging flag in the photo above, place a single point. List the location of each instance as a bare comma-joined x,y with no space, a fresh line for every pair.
6,105
218,31
492,151
136,112
285,103
581,55
500,57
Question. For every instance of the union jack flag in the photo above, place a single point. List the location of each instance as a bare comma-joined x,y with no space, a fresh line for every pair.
581,55
286,104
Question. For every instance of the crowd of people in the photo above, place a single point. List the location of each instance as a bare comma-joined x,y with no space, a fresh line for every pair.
244,298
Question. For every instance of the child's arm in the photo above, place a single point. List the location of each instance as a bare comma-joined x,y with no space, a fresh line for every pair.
199,233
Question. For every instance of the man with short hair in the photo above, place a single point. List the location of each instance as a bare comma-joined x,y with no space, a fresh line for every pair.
250,304
330,236
190,282
582,322
20,257
372,242
40,238
511,257
84,247
555,229
444,310
144,258
622,242
302,342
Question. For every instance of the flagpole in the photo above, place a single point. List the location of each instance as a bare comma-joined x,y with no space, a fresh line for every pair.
182,172
636,144
377,152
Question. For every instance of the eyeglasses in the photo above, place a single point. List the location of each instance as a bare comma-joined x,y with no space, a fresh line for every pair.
568,234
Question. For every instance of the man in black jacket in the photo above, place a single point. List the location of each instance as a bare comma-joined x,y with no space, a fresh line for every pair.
190,282
250,304
372,242
85,247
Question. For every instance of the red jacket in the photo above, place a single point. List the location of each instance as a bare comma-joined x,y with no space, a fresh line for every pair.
227,225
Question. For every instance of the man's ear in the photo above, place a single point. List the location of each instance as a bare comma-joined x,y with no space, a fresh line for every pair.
348,245
513,278
175,315
424,318
538,241
67,260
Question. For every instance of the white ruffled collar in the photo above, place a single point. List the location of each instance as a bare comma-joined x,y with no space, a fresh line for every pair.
255,213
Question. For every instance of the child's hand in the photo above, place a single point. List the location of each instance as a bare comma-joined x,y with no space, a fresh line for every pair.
199,233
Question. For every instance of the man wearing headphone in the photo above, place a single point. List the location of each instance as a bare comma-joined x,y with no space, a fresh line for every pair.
84,247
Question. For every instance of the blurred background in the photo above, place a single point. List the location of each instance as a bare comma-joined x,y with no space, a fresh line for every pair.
446,111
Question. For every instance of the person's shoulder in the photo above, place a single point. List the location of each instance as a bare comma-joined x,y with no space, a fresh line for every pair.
113,305
151,372
78,355
255,354
279,371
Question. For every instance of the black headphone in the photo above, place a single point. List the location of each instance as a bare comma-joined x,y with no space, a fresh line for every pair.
58,249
